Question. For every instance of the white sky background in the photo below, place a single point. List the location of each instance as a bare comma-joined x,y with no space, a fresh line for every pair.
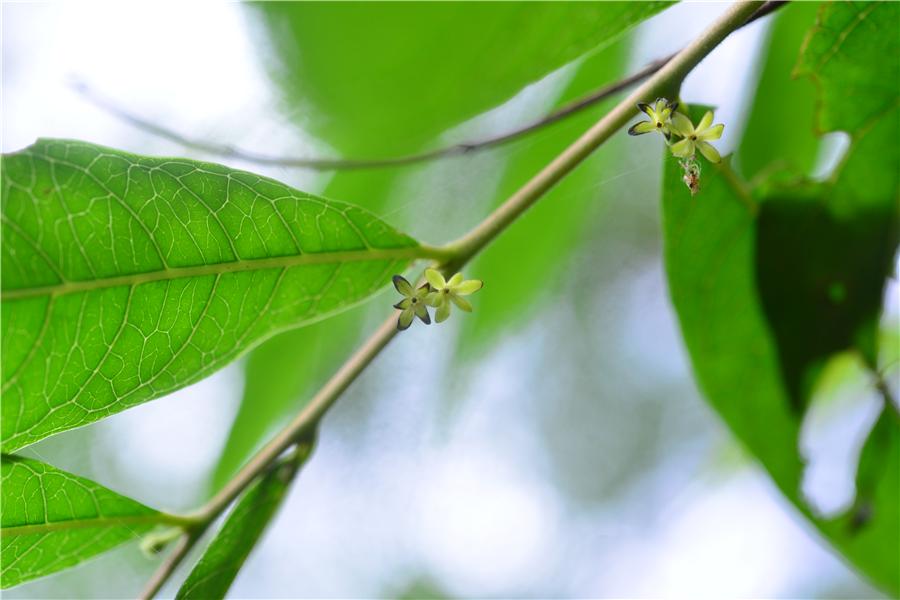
467,506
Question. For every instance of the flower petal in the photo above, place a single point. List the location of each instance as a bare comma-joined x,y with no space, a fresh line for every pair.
711,133
403,304
422,313
707,150
684,148
705,122
405,320
682,125
422,291
673,106
455,280
660,105
402,285
461,302
435,299
468,287
645,108
442,313
434,277
641,128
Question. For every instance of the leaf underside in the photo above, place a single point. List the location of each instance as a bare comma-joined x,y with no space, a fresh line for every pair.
52,520
126,277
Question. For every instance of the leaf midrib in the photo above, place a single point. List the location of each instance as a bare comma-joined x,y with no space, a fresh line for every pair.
94,523
132,279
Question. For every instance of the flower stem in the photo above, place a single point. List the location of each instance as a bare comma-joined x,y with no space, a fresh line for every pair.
451,258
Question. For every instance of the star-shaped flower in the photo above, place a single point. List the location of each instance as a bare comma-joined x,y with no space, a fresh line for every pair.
446,291
696,138
413,305
659,114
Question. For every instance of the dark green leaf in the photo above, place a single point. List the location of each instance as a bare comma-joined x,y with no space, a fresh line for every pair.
386,78
52,520
768,286
126,277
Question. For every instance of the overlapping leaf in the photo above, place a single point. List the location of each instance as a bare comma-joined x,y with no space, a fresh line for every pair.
127,277
769,284
52,520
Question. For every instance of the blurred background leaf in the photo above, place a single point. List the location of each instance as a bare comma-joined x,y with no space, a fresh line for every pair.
780,131
382,78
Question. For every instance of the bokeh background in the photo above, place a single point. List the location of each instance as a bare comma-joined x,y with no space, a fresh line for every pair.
552,444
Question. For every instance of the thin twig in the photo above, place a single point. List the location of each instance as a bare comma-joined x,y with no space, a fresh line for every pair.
332,164
466,247
462,251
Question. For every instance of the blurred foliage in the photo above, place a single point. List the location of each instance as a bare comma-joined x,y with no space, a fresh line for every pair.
383,78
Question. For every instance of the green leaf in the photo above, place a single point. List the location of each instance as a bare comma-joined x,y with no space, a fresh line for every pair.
385,78
768,285
781,131
52,520
220,563
128,277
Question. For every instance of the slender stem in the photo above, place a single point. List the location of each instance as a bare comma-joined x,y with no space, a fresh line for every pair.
464,249
328,164
165,570
460,252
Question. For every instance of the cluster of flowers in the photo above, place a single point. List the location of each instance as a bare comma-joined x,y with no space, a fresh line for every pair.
665,118
437,292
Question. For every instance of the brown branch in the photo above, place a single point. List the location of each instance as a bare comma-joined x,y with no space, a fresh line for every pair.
333,164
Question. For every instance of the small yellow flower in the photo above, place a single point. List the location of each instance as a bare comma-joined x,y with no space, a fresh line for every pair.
696,138
659,114
413,305
446,291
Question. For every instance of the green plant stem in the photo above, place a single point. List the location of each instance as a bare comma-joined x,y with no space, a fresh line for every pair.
459,253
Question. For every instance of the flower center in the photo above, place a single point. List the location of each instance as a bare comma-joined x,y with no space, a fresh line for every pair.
445,291
694,138
658,124
414,300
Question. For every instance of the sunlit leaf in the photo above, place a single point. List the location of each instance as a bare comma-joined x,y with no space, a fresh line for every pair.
52,520
386,78
127,277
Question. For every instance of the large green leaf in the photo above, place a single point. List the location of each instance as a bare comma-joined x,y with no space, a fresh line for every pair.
769,284
52,520
381,77
127,277
214,573
778,135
